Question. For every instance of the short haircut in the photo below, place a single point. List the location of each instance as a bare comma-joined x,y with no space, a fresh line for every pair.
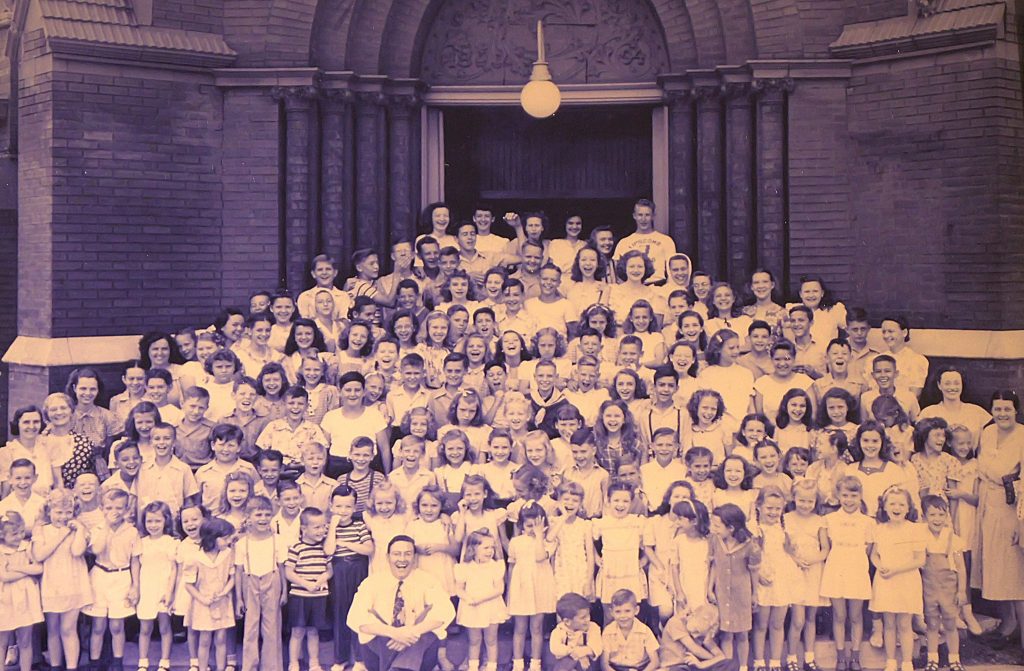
344,490
570,604
401,538
115,495
259,502
160,374
23,463
623,597
196,393
125,446
413,360
759,324
227,433
310,514
270,455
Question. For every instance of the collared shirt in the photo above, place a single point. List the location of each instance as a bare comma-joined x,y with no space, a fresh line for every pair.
171,483
522,323
652,418
440,402
592,481
565,640
912,368
116,481
210,478
251,426
811,355
629,649
30,510
423,594
96,423
287,530
193,445
117,544
306,302
121,405
479,264
656,479
410,486
491,244
317,492
279,435
400,401
860,364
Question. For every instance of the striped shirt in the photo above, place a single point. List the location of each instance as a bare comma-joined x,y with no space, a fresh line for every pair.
310,562
354,532
363,487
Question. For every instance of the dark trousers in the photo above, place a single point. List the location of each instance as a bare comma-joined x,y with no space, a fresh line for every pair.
348,573
422,656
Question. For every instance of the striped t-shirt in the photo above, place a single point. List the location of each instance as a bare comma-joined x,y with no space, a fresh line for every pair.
354,532
310,562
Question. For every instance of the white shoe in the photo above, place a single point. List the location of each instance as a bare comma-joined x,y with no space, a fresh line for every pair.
12,656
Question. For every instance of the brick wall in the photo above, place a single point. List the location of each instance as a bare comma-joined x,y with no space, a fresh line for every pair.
136,203
8,303
250,229
205,16
933,140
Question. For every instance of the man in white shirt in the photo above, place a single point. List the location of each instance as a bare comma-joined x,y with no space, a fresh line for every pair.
402,615
488,243
658,247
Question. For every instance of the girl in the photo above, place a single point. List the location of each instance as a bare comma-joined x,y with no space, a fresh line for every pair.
304,339
480,580
434,222
641,321
419,422
322,396
531,589
734,481
794,420
531,486
385,518
734,382
769,390
588,273
845,580
683,357
90,420
659,546
185,339
511,354
193,372
59,546
762,287
478,355
875,470
222,367
562,251
19,592
327,318
777,575
837,412
826,468
154,571
435,547
806,536
375,393
754,428
690,329
633,269
190,521
896,422
87,500
270,385
458,289
769,457
626,386
494,279
210,581
139,428
709,426
937,470
690,562
615,433
965,496
476,512
499,470
538,453
724,313
355,347
795,463
238,489
454,463
829,314
518,412
601,318
621,536
898,554
256,352
733,578
386,362
466,413
433,348
574,556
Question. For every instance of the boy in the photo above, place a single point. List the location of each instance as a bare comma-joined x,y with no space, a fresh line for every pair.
944,567
885,374
260,588
575,640
758,360
810,354
627,470
587,473
629,644
323,270
226,443
688,642
411,477
411,393
309,572
348,543
587,396
128,461
454,369
838,355
516,318
316,487
268,465
698,473
631,353
250,417
362,479
165,477
158,385
134,379
22,500
193,433
286,522
663,411
656,475
557,310
111,577
288,434
861,353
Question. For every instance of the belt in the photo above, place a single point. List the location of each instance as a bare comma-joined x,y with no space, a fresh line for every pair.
107,569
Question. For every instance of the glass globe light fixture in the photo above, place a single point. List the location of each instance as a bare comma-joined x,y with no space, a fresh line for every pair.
540,97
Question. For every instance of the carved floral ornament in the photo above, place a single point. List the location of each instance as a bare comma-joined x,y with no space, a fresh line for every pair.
588,41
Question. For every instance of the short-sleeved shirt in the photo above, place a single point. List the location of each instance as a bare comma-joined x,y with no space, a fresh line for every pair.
278,435
354,532
171,483
317,492
343,430
210,479
193,443
655,245
309,562
633,649
29,510
932,473
117,552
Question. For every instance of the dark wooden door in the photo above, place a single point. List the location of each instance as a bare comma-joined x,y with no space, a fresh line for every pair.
590,161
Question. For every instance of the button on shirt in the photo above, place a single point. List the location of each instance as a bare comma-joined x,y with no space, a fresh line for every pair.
424,596
629,649
117,544
171,483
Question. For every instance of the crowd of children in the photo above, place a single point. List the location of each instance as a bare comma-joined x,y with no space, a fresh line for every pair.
555,438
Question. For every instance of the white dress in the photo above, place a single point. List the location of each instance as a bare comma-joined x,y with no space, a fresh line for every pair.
778,566
574,559
20,602
441,565
157,558
481,578
620,555
184,555
65,583
531,588
845,575
900,593
803,535
693,562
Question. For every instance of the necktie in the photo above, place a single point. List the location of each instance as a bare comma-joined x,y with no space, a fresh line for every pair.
398,613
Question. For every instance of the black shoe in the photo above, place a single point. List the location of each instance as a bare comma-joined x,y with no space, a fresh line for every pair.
1002,642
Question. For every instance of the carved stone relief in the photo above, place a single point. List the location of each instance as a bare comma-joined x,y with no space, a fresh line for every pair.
587,41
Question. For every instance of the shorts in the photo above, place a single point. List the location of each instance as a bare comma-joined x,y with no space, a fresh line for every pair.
939,588
110,594
309,612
